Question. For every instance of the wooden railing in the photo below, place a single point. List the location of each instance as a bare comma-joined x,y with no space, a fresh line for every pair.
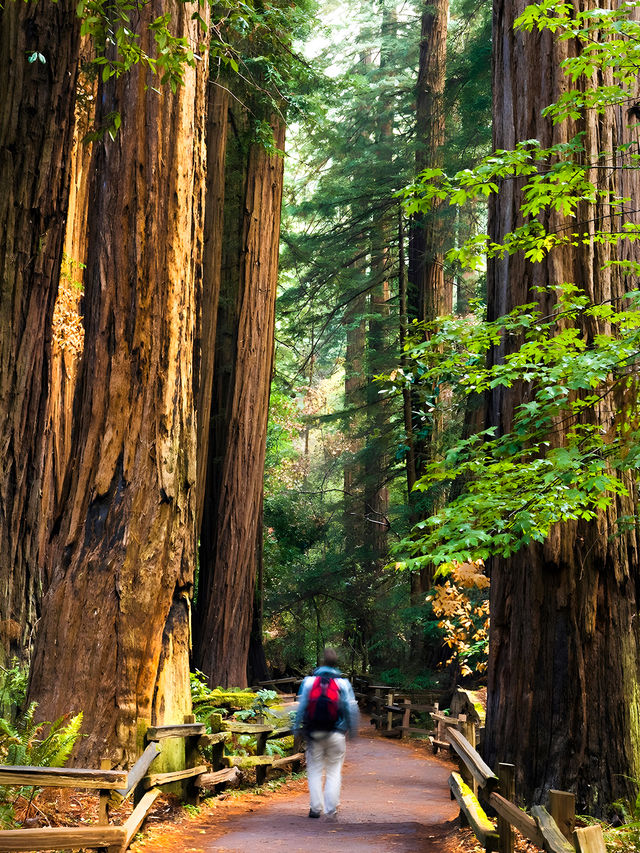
143,786
551,830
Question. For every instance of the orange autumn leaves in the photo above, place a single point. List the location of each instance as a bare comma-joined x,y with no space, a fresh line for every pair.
463,610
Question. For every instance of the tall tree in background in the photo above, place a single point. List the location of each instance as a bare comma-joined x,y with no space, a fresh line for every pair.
430,295
114,635
232,514
39,45
565,639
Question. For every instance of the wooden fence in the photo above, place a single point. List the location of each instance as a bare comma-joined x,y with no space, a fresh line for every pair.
551,830
143,786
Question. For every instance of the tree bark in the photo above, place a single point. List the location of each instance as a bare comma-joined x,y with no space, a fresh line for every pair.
429,295
36,126
242,380
257,667
563,665
204,356
68,330
113,638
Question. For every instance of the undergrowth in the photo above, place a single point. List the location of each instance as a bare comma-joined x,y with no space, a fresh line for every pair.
23,741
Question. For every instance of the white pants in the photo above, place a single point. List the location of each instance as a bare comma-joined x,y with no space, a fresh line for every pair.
325,751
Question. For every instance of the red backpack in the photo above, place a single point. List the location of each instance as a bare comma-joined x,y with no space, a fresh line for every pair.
323,706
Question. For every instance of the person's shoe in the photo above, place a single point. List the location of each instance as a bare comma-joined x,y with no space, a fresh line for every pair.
313,814
331,815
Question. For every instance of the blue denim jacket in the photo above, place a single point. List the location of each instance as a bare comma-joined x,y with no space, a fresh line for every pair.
348,713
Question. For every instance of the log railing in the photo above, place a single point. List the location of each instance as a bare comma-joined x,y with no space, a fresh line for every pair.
143,785
553,831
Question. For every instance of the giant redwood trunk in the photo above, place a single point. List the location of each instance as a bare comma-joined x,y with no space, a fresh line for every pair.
563,666
113,640
36,126
68,331
239,408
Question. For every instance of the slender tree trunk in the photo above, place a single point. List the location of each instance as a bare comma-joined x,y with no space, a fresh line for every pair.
563,666
378,356
113,638
410,464
242,379
36,125
355,397
430,296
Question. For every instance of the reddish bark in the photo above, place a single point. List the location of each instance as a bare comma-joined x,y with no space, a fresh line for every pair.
36,125
242,378
113,638
564,665
217,116
429,295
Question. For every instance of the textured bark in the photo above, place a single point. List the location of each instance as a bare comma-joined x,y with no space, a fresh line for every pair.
430,296
238,424
36,126
217,114
257,667
563,668
115,617
68,331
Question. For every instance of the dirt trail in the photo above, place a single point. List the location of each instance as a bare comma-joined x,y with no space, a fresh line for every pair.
395,799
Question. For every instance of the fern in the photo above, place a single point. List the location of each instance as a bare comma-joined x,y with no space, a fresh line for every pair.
55,749
27,742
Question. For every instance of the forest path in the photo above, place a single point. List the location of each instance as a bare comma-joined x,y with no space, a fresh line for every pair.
395,799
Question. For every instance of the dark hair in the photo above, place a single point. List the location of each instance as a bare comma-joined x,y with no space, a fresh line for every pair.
330,657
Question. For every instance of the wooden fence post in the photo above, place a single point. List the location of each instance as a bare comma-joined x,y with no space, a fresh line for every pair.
261,745
103,805
562,806
507,777
467,728
191,794
589,840
389,713
406,717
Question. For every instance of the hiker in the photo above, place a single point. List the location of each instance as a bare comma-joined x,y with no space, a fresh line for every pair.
327,710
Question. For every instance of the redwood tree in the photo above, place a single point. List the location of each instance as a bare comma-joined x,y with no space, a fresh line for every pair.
39,45
563,666
113,640
429,295
242,377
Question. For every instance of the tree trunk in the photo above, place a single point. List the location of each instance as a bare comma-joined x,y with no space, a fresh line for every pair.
430,296
242,380
355,400
36,125
217,116
68,330
113,638
563,666
257,668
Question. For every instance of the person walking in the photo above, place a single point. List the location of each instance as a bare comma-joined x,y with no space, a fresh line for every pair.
327,711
